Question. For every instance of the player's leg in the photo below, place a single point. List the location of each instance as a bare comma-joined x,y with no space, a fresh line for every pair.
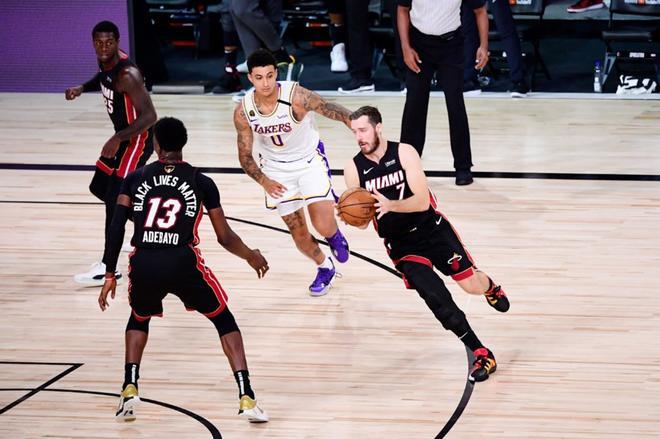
137,333
308,246
316,188
232,345
146,299
454,260
200,290
104,185
432,289
322,215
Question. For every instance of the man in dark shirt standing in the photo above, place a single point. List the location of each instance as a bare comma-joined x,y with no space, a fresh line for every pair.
132,113
432,41
165,200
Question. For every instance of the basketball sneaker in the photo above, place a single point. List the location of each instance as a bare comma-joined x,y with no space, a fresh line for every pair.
128,400
323,281
339,246
249,409
95,276
338,61
585,5
357,86
484,364
496,298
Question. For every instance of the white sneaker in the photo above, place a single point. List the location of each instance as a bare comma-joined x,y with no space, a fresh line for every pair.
242,67
338,58
127,247
249,409
95,277
128,401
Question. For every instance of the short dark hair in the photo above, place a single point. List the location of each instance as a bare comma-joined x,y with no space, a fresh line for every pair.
106,26
371,112
261,58
171,134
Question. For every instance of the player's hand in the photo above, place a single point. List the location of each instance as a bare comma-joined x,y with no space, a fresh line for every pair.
412,59
73,92
481,58
258,262
273,188
110,148
110,286
383,204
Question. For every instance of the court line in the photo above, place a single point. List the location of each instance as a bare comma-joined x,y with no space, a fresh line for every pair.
31,393
215,433
469,386
429,173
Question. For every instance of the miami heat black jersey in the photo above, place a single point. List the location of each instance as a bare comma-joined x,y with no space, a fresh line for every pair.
118,104
167,203
389,178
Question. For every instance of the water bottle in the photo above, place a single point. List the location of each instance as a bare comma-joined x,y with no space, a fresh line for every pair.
597,85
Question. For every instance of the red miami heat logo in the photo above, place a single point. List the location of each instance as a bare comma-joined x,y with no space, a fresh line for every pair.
454,262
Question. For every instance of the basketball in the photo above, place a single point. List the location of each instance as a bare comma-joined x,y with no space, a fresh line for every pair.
356,206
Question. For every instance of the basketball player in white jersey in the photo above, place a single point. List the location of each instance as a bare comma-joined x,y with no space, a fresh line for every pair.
276,118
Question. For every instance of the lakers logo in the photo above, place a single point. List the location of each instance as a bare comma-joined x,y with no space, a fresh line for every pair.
169,169
454,262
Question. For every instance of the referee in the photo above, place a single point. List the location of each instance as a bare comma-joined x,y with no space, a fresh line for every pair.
432,41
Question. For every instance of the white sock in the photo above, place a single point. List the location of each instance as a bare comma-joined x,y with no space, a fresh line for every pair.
327,263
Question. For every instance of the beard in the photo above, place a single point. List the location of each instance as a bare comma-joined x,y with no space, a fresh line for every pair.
371,146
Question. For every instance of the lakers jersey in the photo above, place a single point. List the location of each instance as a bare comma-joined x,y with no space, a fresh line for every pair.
279,136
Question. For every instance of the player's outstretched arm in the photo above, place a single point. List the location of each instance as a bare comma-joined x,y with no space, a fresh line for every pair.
92,85
308,100
234,244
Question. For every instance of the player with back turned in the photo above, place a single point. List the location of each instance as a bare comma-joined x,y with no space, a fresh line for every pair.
417,236
132,113
165,200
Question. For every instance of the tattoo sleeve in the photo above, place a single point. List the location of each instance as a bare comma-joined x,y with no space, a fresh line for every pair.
311,101
244,141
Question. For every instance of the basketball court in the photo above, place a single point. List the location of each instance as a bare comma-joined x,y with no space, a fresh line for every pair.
564,213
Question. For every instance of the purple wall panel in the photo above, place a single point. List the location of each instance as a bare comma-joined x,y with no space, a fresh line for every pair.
46,45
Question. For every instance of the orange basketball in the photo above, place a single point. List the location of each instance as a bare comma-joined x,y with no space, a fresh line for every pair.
356,206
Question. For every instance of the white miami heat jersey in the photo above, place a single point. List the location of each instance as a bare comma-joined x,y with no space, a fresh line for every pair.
279,136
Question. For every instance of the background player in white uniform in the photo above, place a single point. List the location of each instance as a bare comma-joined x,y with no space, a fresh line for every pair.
275,118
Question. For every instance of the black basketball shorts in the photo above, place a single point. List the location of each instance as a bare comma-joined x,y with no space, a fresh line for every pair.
436,246
155,273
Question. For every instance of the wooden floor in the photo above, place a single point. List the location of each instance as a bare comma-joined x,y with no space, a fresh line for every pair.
577,354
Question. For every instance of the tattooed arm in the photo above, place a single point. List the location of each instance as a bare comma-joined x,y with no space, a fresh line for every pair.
244,140
305,100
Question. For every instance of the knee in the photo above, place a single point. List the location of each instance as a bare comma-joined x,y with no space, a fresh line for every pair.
135,324
452,319
224,322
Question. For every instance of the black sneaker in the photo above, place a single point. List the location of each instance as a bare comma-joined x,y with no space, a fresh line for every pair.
463,177
496,298
357,86
471,88
519,90
484,365
230,82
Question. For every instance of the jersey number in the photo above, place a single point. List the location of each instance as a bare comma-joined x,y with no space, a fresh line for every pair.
401,188
108,105
167,219
277,140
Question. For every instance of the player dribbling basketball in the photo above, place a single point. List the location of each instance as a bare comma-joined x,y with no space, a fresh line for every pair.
417,236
